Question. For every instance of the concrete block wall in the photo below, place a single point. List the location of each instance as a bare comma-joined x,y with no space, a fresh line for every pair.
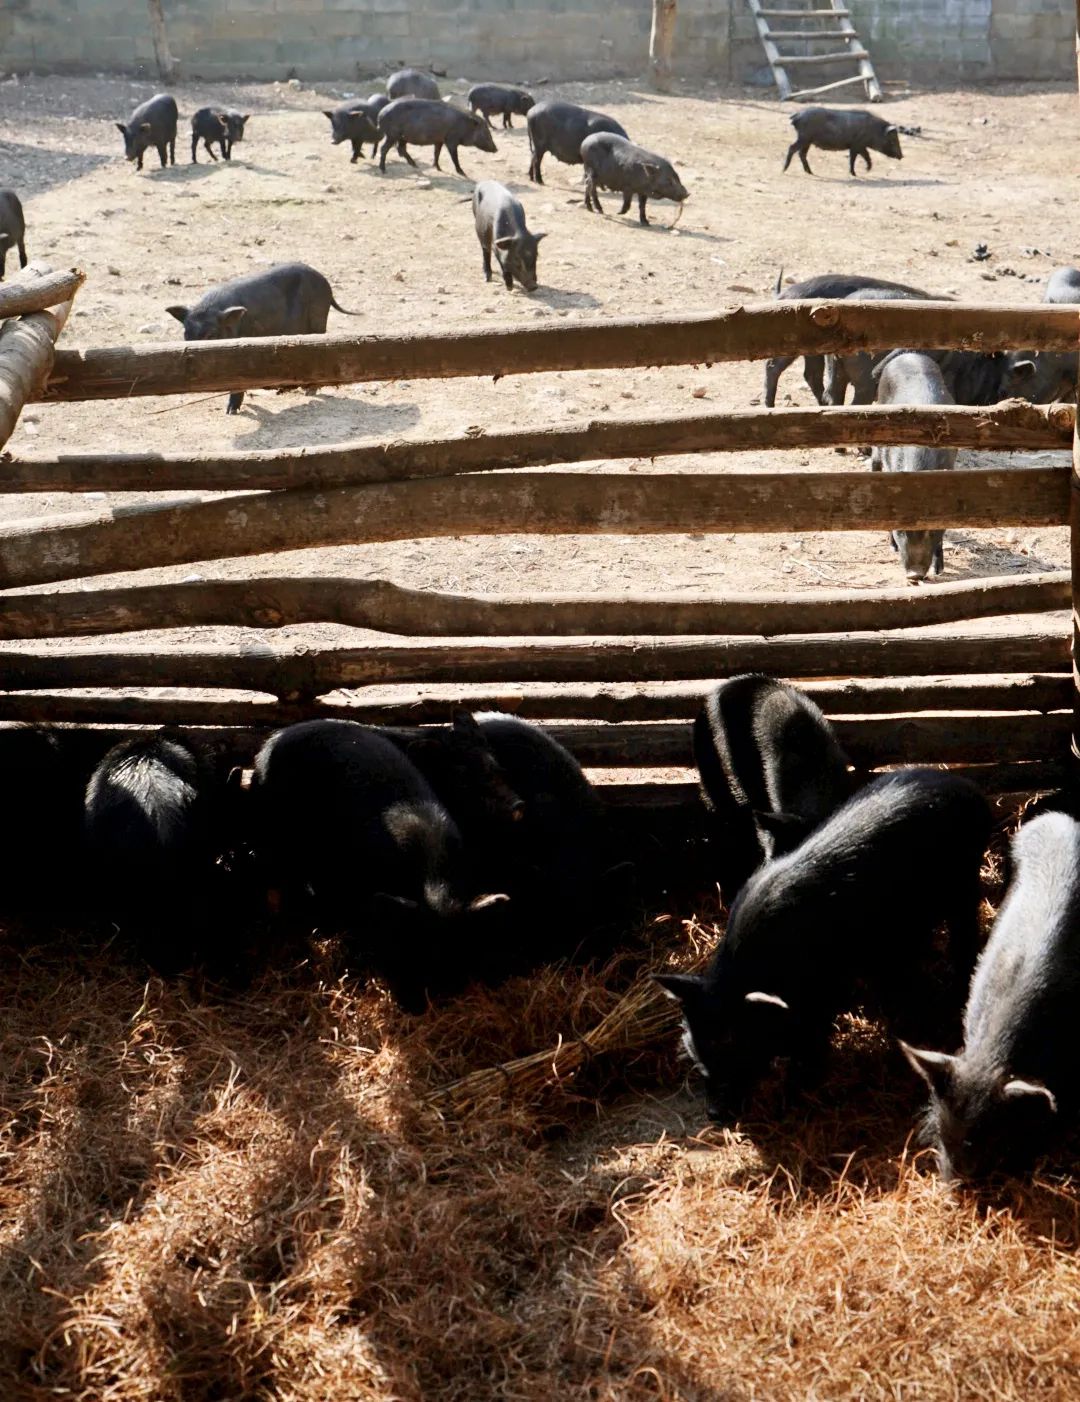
349,39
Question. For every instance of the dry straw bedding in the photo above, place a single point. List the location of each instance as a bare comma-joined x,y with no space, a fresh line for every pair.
211,1194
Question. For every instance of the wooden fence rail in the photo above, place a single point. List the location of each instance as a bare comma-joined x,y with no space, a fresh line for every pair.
1013,424
533,503
754,332
605,702
384,607
290,672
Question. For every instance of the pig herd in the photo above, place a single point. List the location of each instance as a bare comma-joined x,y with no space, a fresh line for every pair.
479,849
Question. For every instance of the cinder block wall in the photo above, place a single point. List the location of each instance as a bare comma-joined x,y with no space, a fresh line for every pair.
348,39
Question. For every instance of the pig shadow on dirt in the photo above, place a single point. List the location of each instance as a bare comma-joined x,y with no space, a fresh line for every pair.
558,297
443,179
324,417
33,169
989,557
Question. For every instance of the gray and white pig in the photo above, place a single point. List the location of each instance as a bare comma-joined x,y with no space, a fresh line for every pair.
12,228
500,227
410,82
771,771
418,121
1002,1100
857,902
153,123
613,163
1046,376
910,377
495,99
836,129
561,127
289,299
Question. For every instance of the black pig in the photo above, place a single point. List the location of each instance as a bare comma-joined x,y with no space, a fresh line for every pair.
838,129
493,98
353,829
561,127
12,228
858,901
1003,1099
418,121
153,123
500,227
410,82
771,771
289,299
356,122
152,838
211,128
1044,376
613,163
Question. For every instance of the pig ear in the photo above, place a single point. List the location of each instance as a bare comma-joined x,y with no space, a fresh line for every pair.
650,169
179,312
936,1068
465,723
786,830
684,988
486,902
505,242
231,317
1023,369
538,237
1016,1090
771,1000
144,126
121,128
891,128
325,114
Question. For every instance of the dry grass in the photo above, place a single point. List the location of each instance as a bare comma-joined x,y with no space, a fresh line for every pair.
253,1196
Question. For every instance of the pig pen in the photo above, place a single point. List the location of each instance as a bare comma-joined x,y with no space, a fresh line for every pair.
270,1193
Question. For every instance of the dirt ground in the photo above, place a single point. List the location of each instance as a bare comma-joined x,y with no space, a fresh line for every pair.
208,1194
400,250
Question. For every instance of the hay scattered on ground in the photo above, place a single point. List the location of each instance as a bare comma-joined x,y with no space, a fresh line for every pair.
252,1196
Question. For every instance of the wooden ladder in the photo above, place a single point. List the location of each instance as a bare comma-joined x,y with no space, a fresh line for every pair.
817,21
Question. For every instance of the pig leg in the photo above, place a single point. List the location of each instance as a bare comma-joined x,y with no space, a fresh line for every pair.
790,152
628,200
813,372
209,150
226,148
592,199
194,149
865,154
485,250
357,152
403,150
774,368
138,161
452,148
836,380
534,165
163,154
798,146
172,150
937,560
507,123
235,400
3,259
386,147
641,199
22,254
438,153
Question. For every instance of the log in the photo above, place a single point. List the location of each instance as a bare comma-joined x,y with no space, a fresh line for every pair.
546,503
419,706
37,287
27,349
1011,424
612,703
383,607
661,43
289,672
756,332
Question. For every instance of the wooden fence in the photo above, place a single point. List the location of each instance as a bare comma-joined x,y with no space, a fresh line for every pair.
617,678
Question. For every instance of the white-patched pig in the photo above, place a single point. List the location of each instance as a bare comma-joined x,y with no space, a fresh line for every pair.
500,227
910,377
1005,1097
